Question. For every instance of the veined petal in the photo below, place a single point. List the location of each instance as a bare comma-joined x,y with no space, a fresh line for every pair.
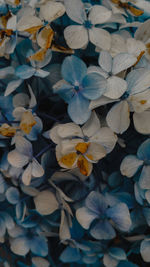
78,109
29,22
143,152
85,217
69,130
73,70
37,169
76,36
39,246
103,230
12,86
105,137
144,180
75,10
120,216
100,38
144,250
17,159
96,203
118,118
51,11
115,87
142,122
130,165
105,61
24,71
27,174
138,80
84,165
92,125
101,101
95,152
108,260
99,14
122,62
20,246
141,101
23,146
94,85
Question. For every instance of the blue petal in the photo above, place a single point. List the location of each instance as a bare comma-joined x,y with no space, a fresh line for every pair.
9,223
146,212
66,92
94,85
127,264
41,73
12,195
36,130
144,180
39,246
96,202
6,105
120,216
103,230
24,71
78,109
12,86
143,152
73,70
145,250
117,253
70,255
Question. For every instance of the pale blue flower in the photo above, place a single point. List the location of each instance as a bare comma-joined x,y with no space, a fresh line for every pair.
78,88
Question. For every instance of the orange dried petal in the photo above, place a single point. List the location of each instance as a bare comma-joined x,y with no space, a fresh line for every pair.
83,165
69,159
27,122
82,147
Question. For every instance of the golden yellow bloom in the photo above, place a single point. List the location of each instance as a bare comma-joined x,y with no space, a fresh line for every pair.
27,122
7,130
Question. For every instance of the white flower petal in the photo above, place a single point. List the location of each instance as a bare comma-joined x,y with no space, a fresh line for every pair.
45,202
75,10
51,11
106,137
27,174
122,62
76,36
118,118
99,14
115,87
85,217
23,146
92,125
68,130
100,38
140,102
37,169
130,165
27,22
142,122
101,101
105,61
17,159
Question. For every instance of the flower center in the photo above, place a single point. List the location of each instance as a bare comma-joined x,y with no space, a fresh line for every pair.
88,24
82,147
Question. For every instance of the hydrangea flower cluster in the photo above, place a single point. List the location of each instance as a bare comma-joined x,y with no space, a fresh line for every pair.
74,133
